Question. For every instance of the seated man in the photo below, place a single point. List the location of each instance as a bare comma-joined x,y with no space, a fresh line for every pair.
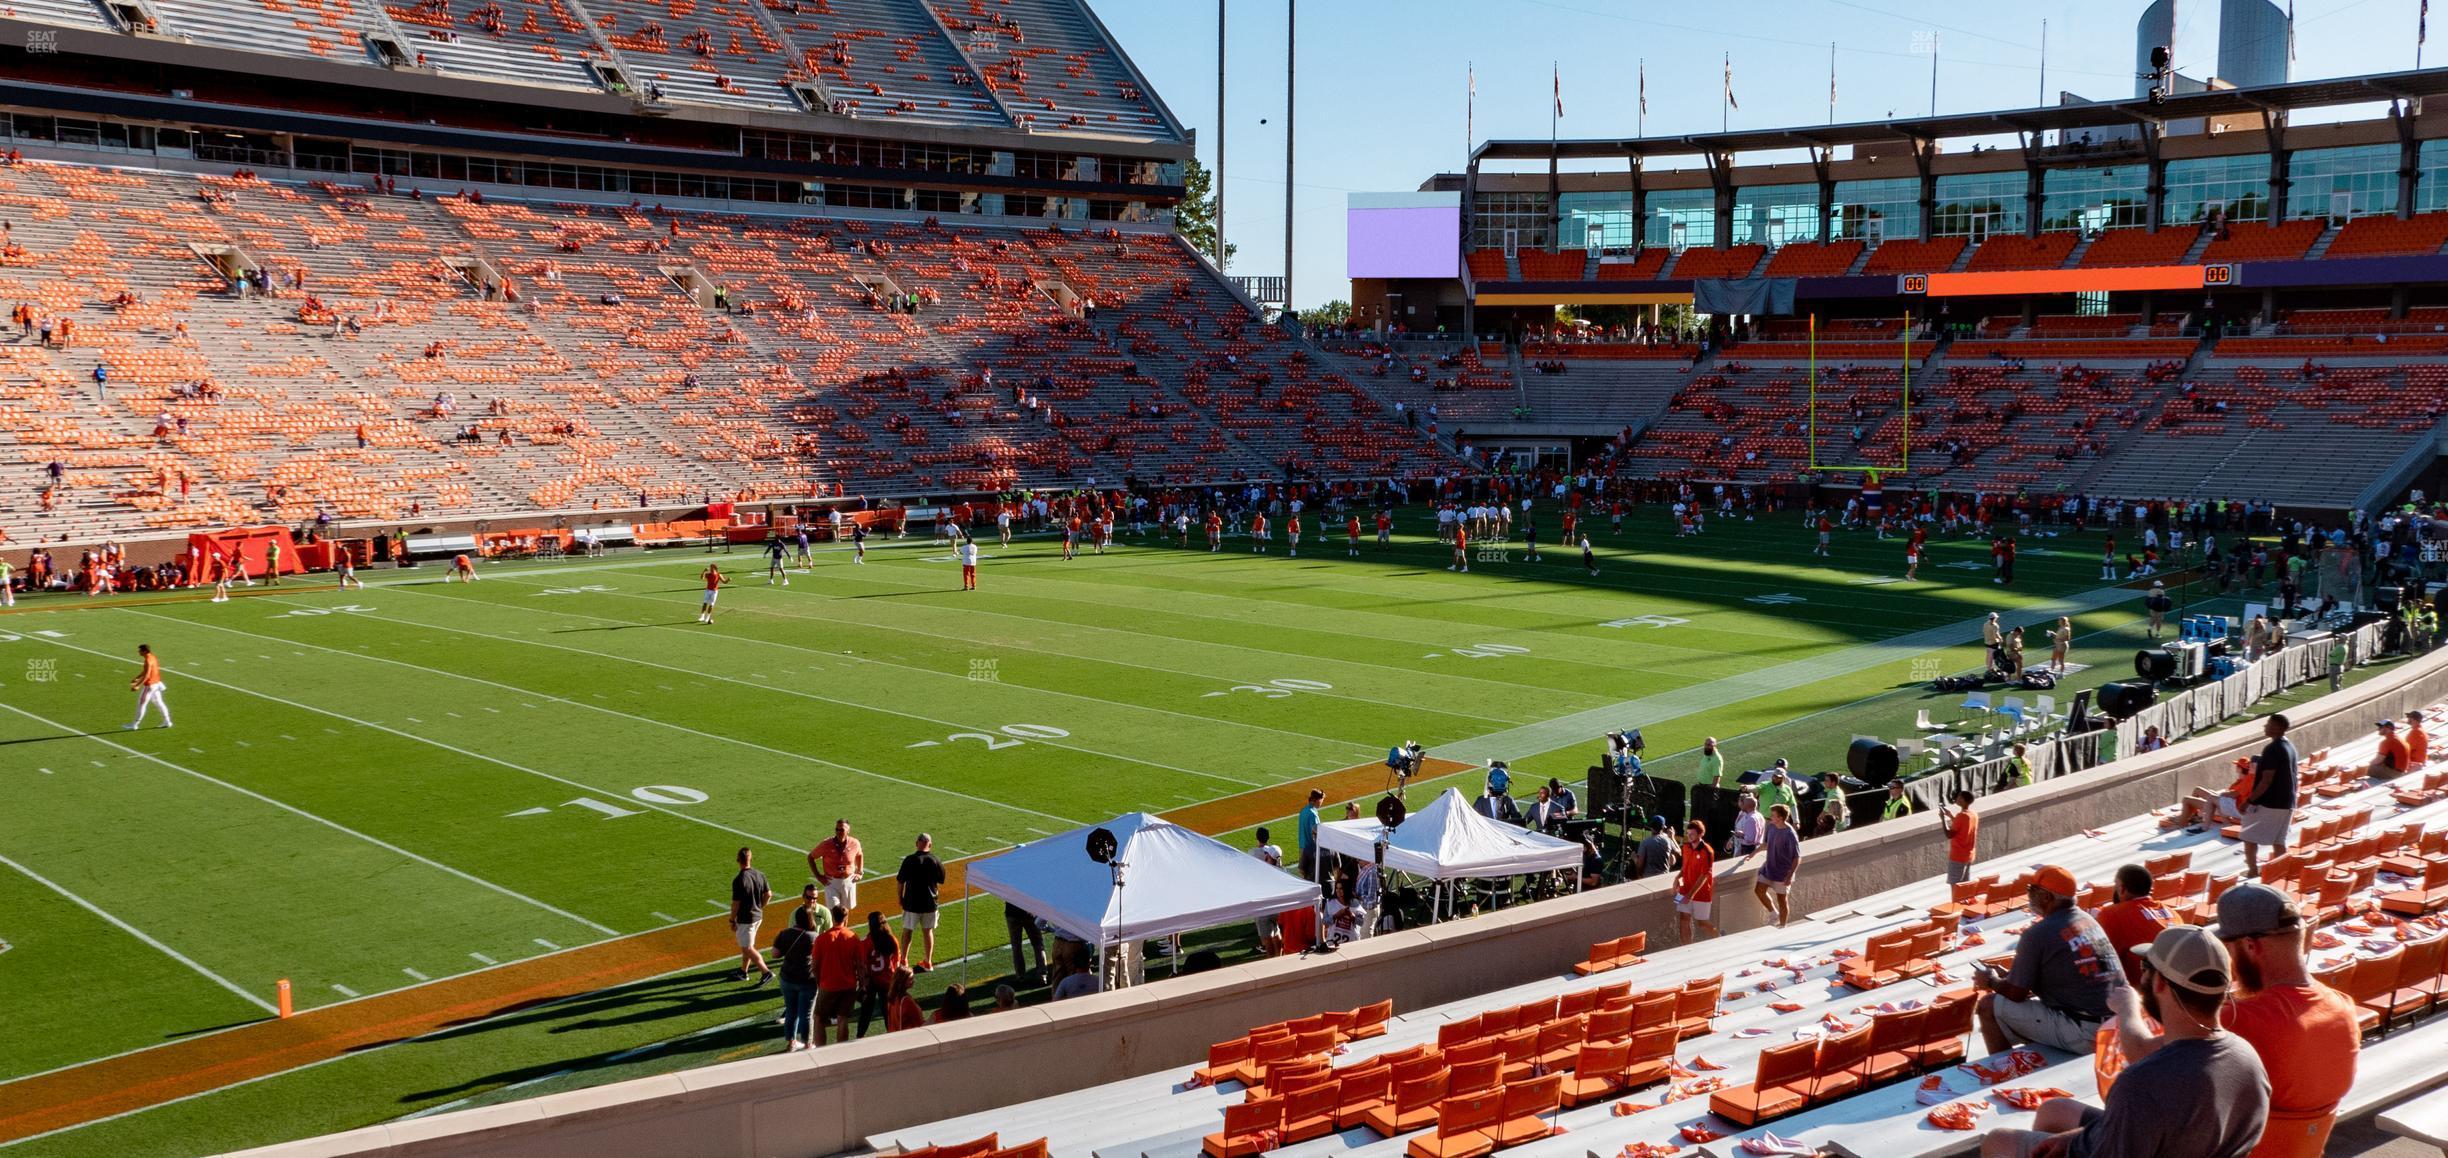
2205,807
2056,992
2203,1093
2392,759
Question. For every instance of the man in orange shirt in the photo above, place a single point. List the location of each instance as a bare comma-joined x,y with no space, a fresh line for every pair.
2303,1031
2390,762
2134,919
714,580
841,957
837,865
148,688
1962,830
1696,884
2417,741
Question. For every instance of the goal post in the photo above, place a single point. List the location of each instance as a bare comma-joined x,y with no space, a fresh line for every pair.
1903,458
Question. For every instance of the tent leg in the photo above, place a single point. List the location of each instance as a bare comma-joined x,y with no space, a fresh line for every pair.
965,943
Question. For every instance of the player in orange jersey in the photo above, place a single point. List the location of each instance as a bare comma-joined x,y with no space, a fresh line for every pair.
148,688
714,580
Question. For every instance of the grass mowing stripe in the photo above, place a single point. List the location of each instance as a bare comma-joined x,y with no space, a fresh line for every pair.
429,862
1051,743
143,936
926,671
1698,697
790,847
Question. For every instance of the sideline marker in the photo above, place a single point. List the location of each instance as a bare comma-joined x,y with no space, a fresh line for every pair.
284,997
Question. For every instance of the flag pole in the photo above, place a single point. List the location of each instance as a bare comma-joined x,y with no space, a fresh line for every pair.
1831,82
1725,102
1470,106
1640,122
2043,63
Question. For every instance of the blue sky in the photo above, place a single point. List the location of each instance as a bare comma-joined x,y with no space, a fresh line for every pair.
1382,83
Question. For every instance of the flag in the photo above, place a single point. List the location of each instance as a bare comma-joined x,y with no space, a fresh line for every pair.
2422,24
1831,77
1729,83
1559,90
1644,88
2290,31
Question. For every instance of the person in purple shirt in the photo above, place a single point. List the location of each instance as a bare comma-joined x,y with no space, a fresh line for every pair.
1776,873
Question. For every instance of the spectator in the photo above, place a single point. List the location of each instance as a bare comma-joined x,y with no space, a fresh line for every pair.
795,948
1006,999
1712,761
1081,981
837,865
2056,993
1776,874
1962,831
2303,1032
875,982
920,877
2200,1094
2390,761
2203,807
840,958
2270,809
900,1009
1368,889
2417,742
1835,812
1695,883
1656,851
953,1005
1750,828
1776,789
2134,918
749,896
1308,825
1021,925
1343,914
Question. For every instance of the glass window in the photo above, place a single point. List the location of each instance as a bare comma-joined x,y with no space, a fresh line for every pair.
2431,186
2353,182
1525,213
2113,197
1680,217
2237,185
1609,213
1774,215
1980,204
1892,205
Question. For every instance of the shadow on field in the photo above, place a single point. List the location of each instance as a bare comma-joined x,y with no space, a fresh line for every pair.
55,736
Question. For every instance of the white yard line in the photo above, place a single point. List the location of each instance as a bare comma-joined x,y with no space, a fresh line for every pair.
626,800
143,936
335,825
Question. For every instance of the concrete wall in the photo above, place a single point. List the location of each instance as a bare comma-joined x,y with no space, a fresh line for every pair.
825,1101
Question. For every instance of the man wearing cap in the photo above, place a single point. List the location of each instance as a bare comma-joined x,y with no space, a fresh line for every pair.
2158,604
1776,789
2201,1094
2056,993
2417,741
2390,761
1656,852
2270,807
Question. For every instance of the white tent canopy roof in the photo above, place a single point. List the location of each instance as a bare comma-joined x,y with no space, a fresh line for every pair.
1446,840
1174,881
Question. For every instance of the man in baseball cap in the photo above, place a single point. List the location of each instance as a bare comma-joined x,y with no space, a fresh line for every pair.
2392,758
2304,1032
2056,993
2200,1093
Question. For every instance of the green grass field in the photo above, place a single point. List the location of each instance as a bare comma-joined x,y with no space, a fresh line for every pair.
386,788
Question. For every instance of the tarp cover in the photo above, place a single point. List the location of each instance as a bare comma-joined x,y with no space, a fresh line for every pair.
1174,881
1447,841
1747,295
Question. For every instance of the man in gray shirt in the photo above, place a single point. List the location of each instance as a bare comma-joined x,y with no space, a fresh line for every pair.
1657,852
2209,1100
2056,993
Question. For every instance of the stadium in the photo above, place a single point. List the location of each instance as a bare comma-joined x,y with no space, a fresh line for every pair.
750,577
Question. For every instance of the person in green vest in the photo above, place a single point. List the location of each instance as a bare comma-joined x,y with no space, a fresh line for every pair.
2339,657
2018,769
1897,805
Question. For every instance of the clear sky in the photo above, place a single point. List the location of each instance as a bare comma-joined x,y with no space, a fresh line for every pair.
1381,83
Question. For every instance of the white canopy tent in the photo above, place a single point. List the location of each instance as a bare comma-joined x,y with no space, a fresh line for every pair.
1446,841
1174,881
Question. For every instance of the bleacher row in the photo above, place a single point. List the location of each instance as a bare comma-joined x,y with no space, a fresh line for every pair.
1033,65
2422,234
606,381
1848,1030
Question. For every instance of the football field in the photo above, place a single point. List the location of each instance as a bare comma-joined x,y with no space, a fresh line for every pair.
432,807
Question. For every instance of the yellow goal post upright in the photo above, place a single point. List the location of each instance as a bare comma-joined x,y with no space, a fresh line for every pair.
1869,470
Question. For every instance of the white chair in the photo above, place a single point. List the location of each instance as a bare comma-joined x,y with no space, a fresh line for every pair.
2044,709
1922,721
1908,749
1975,702
2013,708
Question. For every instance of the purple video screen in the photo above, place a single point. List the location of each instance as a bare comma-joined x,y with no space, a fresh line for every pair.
1405,242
